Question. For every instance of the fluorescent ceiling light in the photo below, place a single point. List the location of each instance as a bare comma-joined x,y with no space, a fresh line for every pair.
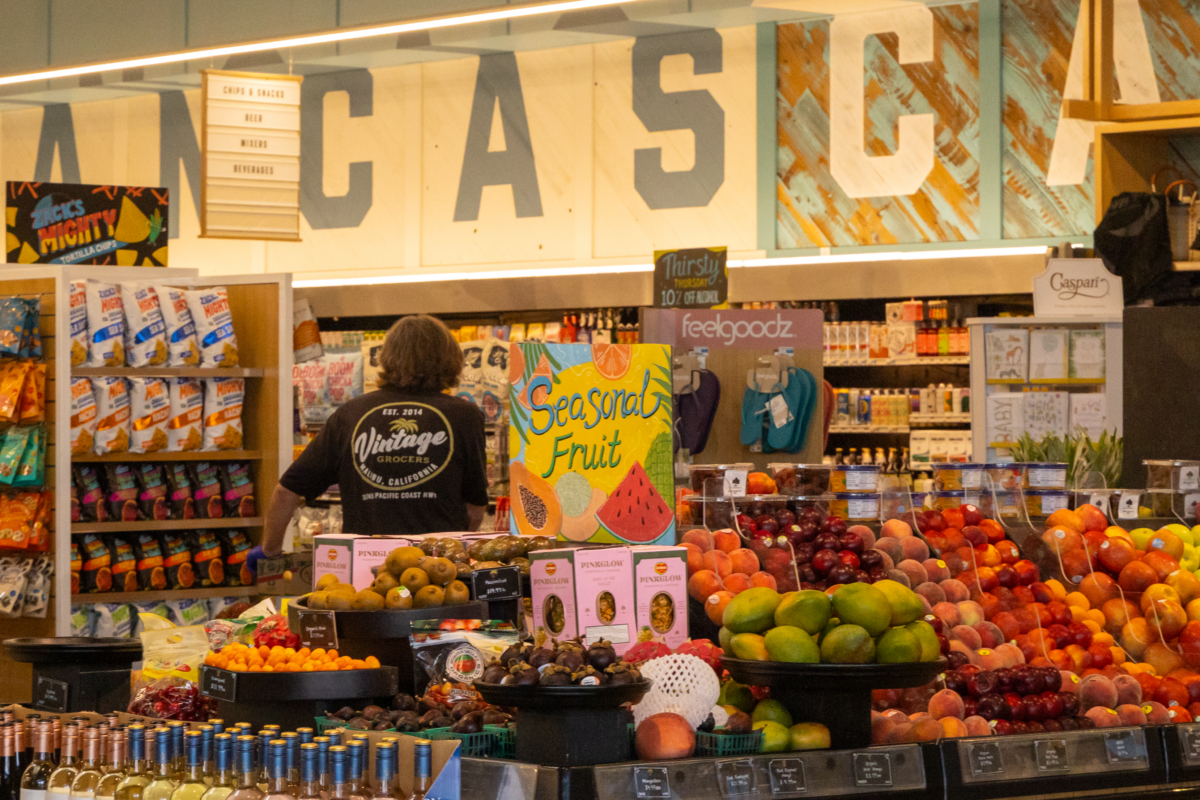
612,269
320,38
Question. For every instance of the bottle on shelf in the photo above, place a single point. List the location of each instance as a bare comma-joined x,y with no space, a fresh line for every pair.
247,774
385,772
357,758
21,736
114,767
192,787
310,773
839,457
138,777
68,764
10,777
291,757
263,748
206,752
339,786
164,783
218,726
36,778
422,769
223,776
323,744
277,771
178,758
57,723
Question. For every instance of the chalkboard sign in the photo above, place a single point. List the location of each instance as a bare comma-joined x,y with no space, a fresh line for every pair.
737,778
985,758
787,776
872,769
1051,755
51,695
501,583
219,684
317,629
651,783
1122,747
1191,744
694,278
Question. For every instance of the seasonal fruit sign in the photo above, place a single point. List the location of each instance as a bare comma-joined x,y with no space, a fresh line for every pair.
590,442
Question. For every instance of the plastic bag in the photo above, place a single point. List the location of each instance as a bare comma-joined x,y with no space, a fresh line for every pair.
274,631
106,325
168,687
185,419
214,326
456,650
79,325
145,342
182,350
112,402
151,409
83,417
223,413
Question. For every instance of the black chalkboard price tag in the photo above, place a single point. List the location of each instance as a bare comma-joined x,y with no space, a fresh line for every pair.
317,629
1191,742
219,683
1121,747
651,783
737,778
872,769
787,776
985,758
1051,755
501,583
51,695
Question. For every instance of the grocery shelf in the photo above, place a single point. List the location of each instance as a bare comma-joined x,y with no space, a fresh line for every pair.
169,594
939,419
1063,382
189,455
929,361
868,429
166,372
166,525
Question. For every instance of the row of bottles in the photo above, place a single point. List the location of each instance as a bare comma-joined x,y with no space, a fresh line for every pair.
865,342
893,407
79,761
589,326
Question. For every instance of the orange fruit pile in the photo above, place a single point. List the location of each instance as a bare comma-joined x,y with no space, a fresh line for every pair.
241,658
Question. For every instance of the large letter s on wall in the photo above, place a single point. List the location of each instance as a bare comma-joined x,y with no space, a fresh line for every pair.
860,175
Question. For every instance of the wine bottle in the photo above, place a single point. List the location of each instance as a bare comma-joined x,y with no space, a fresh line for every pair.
291,751
206,752
163,785
264,740
385,771
36,777
68,765
247,774
178,758
310,773
422,769
357,756
223,780
114,771
10,777
25,746
89,774
322,743
140,741
218,725
338,769
193,786
277,771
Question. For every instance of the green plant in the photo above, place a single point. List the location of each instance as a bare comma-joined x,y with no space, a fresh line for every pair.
1079,451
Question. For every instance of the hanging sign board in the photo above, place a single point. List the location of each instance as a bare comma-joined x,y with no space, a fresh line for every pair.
74,223
694,278
1077,287
250,155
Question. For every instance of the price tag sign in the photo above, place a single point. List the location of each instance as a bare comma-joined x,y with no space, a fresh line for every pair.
51,695
737,778
501,583
1121,747
1127,508
1189,478
1191,744
872,769
1051,755
218,683
693,278
651,783
787,776
317,629
985,758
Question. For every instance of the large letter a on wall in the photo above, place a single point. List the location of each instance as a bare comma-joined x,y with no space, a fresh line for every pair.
858,174
498,80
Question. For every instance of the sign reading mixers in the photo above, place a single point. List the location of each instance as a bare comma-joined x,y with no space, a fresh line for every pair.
590,442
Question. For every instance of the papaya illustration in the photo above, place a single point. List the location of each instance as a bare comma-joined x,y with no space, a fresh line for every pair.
216,572
104,579
535,507
581,527
186,576
131,584
158,578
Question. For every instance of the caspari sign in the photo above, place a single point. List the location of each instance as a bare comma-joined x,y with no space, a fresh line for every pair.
1077,287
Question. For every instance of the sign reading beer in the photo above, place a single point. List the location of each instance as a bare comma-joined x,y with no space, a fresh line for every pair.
250,140
590,442
695,278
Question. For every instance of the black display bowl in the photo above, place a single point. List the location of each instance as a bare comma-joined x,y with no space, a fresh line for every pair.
391,623
833,677
77,649
287,687
551,698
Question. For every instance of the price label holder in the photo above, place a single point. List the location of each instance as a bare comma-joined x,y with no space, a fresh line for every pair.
1189,744
218,683
1123,747
1072,760
501,583
651,783
317,629
786,776
985,758
737,778
51,695
872,769
1051,755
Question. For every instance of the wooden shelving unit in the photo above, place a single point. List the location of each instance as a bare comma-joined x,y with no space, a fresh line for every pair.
175,594
166,525
190,455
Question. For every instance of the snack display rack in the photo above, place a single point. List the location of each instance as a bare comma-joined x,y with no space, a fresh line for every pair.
261,307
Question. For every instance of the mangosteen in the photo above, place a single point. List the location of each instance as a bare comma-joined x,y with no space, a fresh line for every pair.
622,674
541,657
601,655
408,725
588,676
404,702
470,723
708,725
570,658
523,675
359,724
494,716
739,722
425,705
555,675
383,725
371,712
344,713
494,673
517,652
430,715
460,710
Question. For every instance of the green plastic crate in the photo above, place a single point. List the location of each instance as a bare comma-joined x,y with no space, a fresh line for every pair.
506,741
728,744
475,745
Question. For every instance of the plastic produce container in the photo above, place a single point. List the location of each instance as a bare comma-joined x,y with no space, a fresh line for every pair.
1044,475
1180,476
1044,502
951,476
855,507
858,478
797,480
708,479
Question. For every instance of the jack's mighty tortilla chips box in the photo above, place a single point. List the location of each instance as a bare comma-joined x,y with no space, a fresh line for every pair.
660,592
552,582
604,598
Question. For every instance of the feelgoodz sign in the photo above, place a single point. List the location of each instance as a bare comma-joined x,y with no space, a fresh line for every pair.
758,329
695,278
1077,287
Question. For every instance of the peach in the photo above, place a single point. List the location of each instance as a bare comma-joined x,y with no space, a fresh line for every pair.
989,634
1098,588
1130,714
699,537
1103,717
868,536
714,607
961,647
704,584
1159,591
953,727
956,591
881,727
900,577
992,659
1093,518
695,558
1156,713
764,579
1012,654
1096,690
914,548
889,563
902,734
946,703
931,592
737,582
927,730
978,726
971,612
1115,553
1067,519
1128,690
914,571
948,613
967,635
1061,540
896,715
1070,682
896,529
1117,612
891,548
1165,541
726,540
718,561
744,561
936,569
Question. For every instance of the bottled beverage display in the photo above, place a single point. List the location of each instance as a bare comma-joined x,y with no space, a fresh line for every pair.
35,780
889,408
68,764
910,331
247,774
206,752
385,770
291,741
357,756
163,784
117,763
178,758
323,744
90,769
277,772
192,787
138,777
23,748
310,773
223,776
10,775
339,785
422,769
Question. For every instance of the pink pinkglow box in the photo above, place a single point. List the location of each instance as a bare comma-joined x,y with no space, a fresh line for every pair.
660,592
552,581
604,597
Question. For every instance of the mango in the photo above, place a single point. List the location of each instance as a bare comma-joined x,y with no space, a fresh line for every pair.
792,645
808,610
863,605
848,644
749,646
752,611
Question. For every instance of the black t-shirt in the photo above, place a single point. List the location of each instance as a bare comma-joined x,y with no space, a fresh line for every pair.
406,463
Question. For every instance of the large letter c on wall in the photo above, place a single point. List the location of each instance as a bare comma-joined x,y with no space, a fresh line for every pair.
860,175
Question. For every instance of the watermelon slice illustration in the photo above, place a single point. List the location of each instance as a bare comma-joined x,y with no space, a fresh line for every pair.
635,512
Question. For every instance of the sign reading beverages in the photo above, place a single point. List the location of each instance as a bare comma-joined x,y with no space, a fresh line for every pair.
1077,287
693,278
590,442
